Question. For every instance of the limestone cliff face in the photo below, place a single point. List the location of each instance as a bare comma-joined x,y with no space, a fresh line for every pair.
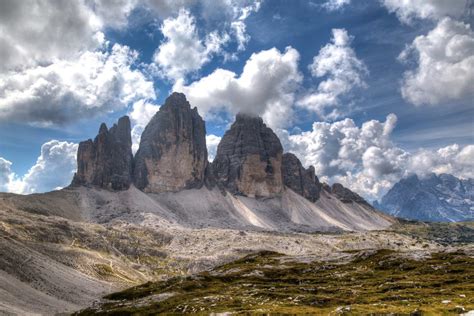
296,177
248,159
106,162
172,155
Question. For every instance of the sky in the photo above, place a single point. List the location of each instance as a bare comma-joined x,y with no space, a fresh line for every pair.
366,91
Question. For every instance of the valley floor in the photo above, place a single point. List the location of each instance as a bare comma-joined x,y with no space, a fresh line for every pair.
63,251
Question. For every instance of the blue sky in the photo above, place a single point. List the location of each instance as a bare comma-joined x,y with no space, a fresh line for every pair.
370,78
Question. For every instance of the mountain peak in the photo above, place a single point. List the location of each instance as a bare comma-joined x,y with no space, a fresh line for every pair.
107,161
248,118
103,128
176,99
296,177
172,155
249,158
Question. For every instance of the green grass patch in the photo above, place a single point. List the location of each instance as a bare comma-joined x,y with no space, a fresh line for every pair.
380,282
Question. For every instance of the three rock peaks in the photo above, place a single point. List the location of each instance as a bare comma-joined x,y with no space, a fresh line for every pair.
172,156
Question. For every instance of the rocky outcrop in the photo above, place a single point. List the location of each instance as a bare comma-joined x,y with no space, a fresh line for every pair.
296,177
106,162
345,195
248,159
172,155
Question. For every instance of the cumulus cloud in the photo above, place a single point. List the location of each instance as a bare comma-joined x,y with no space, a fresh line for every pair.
334,148
29,31
265,87
141,114
342,71
212,141
444,57
182,50
408,10
366,160
113,13
334,5
54,167
97,82
445,71
51,77
6,174
53,170
453,159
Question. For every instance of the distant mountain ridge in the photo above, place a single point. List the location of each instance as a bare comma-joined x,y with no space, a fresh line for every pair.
436,198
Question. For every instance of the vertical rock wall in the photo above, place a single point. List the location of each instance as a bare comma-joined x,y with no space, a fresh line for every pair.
107,161
172,155
248,159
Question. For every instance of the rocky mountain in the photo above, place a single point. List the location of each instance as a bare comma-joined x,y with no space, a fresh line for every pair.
438,198
106,162
250,183
296,177
249,159
172,155
345,195
167,212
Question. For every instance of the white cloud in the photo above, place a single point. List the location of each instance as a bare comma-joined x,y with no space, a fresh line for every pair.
212,141
39,31
444,57
97,82
166,8
408,10
445,71
334,148
50,77
141,114
343,72
113,13
240,14
366,160
53,170
231,17
6,174
265,87
453,159
182,50
334,5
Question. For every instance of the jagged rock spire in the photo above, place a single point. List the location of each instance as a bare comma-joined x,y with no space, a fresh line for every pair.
296,177
106,162
172,155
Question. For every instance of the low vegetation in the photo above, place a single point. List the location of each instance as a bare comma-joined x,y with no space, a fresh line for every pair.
442,233
379,282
